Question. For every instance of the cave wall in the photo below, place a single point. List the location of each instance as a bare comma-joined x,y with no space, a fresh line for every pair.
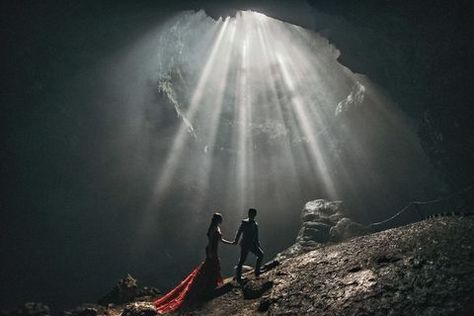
420,52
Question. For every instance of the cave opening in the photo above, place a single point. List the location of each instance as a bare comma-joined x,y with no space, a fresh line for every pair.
127,125
251,111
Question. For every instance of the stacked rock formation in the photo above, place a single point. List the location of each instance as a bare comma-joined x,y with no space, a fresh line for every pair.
322,222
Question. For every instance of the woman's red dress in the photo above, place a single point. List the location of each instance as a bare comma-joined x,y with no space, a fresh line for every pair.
199,283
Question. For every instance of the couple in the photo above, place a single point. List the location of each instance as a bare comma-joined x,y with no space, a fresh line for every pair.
207,276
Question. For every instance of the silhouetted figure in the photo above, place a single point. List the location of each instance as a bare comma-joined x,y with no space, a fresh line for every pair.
203,280
249,231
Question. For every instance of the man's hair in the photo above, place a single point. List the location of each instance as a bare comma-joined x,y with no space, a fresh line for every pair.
252,212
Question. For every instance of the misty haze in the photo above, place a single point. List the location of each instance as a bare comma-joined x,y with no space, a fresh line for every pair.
139,127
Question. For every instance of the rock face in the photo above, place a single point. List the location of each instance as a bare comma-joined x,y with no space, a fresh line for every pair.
322,221
438,106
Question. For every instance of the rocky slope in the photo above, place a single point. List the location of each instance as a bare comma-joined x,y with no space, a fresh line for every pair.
426,268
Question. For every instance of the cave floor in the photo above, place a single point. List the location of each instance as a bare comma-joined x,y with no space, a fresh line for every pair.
425,268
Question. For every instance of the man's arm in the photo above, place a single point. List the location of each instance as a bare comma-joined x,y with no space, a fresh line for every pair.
239,232
256,235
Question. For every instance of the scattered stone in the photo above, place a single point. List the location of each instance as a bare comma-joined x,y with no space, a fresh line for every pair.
139,309
28,309
34,309
86,310
127,291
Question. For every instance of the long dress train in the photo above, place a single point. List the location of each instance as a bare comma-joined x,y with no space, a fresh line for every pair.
198,284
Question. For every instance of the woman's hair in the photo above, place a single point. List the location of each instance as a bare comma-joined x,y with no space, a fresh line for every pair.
252,212
216,219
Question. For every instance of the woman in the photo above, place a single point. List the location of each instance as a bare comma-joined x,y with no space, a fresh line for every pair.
203,280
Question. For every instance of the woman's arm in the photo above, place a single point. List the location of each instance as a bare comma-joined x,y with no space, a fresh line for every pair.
227,242
222,239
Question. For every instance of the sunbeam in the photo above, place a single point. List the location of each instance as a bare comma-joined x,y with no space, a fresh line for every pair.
267,118
196,100
128,125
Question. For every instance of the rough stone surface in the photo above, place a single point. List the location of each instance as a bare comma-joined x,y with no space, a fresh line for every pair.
34,309
29,309
139,309
345,229
86,310
426,268
322,221
255,288
126,291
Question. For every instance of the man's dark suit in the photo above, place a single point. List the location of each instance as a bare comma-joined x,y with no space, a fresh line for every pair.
249,231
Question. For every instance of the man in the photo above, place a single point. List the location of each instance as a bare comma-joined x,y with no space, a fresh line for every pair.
249,231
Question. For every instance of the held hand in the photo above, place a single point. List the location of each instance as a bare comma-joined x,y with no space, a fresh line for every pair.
227,241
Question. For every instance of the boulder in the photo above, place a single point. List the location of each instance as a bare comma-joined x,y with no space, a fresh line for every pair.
323,208
322,221
314,234
126,291
317,226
